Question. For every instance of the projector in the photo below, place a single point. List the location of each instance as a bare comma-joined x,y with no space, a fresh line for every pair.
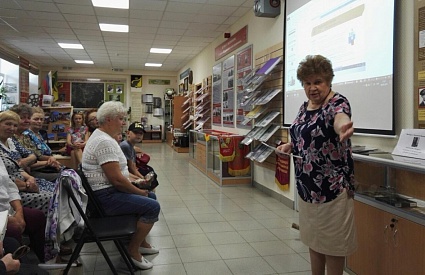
267,8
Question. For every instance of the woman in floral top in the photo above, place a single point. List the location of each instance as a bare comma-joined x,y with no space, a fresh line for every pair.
320,134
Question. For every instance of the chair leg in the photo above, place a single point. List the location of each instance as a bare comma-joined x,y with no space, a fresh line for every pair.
126,257
74,256
105,255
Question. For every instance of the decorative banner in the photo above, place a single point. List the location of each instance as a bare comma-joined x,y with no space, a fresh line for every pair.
235,41
159,81
244,65
136,81
216,96
228,80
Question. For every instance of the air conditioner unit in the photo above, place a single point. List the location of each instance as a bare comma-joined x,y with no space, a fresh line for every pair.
267,8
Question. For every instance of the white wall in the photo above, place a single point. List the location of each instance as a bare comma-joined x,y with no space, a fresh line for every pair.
266,32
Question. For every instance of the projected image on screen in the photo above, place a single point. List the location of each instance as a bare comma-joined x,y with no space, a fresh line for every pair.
358,37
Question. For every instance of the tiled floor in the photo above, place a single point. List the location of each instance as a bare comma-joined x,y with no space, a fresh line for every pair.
205,229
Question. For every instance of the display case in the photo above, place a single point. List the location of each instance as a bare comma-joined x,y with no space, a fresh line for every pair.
207,155
389,215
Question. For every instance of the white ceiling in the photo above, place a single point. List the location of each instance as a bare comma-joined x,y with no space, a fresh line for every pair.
32,28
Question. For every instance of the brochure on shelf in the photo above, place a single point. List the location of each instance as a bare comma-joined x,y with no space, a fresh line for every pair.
260,153
267,96
260,133
269,66
280,153
267,119
269,132
249,137
256,112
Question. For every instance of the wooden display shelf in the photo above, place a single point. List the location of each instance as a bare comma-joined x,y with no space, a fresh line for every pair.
181,149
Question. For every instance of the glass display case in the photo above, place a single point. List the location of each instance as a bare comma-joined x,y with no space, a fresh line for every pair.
224,163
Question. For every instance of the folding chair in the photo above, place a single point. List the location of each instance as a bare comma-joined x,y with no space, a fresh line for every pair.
106,228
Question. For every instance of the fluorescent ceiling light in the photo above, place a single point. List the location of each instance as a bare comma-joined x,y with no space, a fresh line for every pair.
153,64
93,79
116,4
70,46
159,50
113,27
84,62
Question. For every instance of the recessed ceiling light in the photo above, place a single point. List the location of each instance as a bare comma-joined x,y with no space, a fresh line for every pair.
159,50
116,4
153,64
84,61
113,27
70,46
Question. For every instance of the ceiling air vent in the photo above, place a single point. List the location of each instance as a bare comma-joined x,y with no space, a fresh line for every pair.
117,70
67,68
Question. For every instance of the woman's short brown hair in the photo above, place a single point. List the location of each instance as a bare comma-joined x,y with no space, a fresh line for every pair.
315,65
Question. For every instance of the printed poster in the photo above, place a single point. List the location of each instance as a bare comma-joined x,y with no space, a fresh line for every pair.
228,82
216,96
244,66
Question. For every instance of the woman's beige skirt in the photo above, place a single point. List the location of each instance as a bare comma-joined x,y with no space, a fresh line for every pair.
328,228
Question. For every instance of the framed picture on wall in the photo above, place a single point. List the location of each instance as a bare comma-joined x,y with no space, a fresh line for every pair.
186,84
114,92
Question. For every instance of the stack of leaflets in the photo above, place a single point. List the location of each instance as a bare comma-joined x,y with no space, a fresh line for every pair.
265,120
260,153
269,132
267,96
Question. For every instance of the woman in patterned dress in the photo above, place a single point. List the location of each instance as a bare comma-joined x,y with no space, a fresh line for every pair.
35,192
320,134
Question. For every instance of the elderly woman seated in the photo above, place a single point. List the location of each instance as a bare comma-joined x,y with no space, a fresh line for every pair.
46,166
105,167
35,192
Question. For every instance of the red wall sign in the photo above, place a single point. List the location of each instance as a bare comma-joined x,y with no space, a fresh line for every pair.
232,43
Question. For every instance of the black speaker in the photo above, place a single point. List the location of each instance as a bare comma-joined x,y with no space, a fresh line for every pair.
267,8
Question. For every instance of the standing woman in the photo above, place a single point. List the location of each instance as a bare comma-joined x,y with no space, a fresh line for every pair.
76,138
320,134
105,166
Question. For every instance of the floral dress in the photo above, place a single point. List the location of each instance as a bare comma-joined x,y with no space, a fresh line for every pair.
10,157
36,143
326,167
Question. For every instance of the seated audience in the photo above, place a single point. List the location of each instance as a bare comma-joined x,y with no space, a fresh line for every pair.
35,192
46,167
105,167
23,220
